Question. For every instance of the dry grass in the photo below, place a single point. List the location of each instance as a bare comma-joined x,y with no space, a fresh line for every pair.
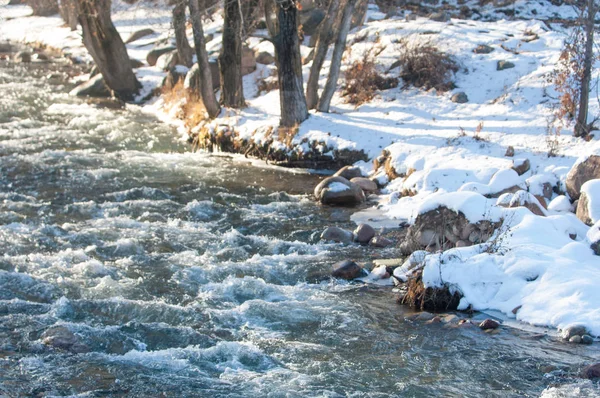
429,299
189,106
424,66
362,81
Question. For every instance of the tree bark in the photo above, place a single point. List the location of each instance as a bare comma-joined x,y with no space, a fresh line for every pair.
68,12
581,126
289,66
204,91
323,41
336,61
230,59
106,47
185,52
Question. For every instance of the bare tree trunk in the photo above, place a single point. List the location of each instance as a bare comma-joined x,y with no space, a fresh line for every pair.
185,52
336,61
230,59
323,41
106,47
289,66
205,91
581,126
68,12
43,8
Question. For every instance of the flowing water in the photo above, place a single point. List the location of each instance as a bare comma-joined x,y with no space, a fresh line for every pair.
130,267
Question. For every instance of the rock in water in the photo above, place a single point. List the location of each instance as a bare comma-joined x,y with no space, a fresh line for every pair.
346,270
337,235
380,241
365,184
489,324
364,233
95,87
577,330
348,172
339,191
591,371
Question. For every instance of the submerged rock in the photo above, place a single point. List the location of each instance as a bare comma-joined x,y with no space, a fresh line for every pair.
337,235
62,338
591,371
346,270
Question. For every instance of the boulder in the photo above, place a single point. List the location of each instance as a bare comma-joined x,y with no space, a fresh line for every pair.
339,191
584,208
365,184
584,170
248,61
521,166
95,87
503,65
265,58
483,49
62,338
460,98
193,76
522,199
591,371
167,60
380,241
439,17
489,324
337,235
576,330
364,233
138,34
152,56
349,172
346,270
22,56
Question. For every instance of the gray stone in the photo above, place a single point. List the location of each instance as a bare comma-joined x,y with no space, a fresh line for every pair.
337,235
460,98
346,270
62,338
425,316
167,60
152,56
589,169
577,330
463,243
503,65
265,58
427,237
349,172
575,340
351,196
94,87
174,76
591,371
583,211
521,166
587,339
248,61
365,184
483,49
22,56
364,233
439,17
139,34
489,324
380,241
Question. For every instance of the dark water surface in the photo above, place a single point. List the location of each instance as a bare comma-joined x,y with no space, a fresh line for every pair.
130,267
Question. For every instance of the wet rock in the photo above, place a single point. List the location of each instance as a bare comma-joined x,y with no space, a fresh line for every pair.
510,151
460,98
503,65
139,34
483,49
336,234
575,340
248,61
425,316
349,172
489,324
591,371
167,60
365,184
339,191
380,241
22,56
95,87
521,166
152,56
364,233
265,58
346,270
587,339
577,330
62,338
583,171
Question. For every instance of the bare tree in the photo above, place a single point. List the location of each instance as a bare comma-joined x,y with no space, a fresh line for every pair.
68,12
589,9
338,52
185,52
230,59
284,34
106,47
205,90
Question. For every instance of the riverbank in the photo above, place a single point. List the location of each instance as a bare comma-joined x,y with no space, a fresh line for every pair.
438,153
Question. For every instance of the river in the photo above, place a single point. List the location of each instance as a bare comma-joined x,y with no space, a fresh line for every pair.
131,267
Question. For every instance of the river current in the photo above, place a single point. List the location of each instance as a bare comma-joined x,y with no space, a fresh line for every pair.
131,267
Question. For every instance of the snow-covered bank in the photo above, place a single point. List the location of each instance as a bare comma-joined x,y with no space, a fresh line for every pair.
543,271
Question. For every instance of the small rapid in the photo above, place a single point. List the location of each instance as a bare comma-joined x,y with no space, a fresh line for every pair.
132,267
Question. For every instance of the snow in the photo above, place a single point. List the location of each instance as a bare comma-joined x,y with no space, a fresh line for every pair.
592,192
452,154
337,187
